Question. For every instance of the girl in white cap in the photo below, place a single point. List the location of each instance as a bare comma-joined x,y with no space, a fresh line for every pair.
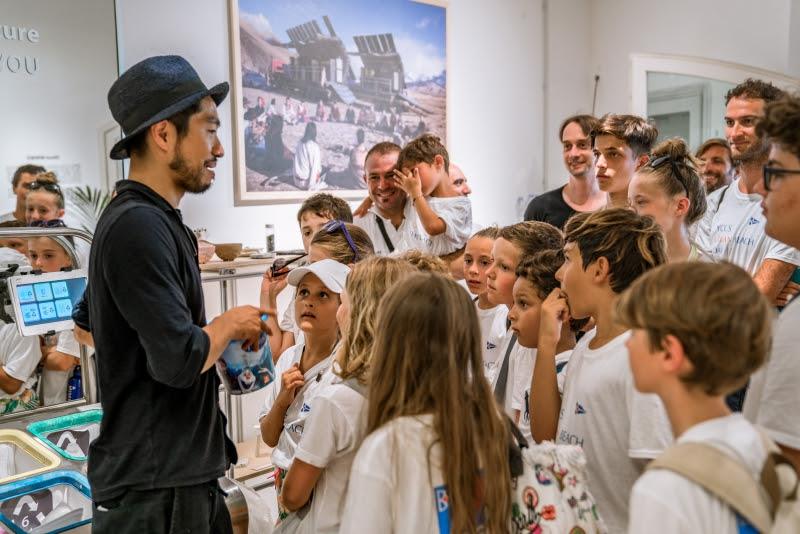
334,431
301,368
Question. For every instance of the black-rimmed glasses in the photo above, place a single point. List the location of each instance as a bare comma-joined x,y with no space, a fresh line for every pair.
676,168
771,173
335,226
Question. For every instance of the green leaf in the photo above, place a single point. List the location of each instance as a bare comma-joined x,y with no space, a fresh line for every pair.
86,203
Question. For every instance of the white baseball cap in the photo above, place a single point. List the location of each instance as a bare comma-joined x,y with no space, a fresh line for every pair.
332,273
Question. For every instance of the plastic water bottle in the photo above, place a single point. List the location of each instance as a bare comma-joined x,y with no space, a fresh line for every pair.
75,385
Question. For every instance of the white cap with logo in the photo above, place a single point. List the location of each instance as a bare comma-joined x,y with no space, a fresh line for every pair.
332,273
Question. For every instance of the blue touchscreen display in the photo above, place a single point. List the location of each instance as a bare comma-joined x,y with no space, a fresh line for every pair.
49,302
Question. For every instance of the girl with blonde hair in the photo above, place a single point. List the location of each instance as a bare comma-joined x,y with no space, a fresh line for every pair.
436,457
338,423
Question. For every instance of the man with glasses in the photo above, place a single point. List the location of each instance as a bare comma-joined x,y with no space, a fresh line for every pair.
20,183
733,227
772,401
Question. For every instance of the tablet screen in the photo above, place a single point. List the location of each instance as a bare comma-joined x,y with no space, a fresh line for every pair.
44,302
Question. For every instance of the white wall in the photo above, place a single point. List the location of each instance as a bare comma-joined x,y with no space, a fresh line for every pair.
495,108
570,78
54,116
764,34
739,31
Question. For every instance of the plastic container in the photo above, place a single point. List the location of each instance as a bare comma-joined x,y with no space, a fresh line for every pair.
52,502
69,435
22,456
245,371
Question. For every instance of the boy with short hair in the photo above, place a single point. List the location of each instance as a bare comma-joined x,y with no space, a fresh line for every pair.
441,220
698,331
618,428
314,213
620,144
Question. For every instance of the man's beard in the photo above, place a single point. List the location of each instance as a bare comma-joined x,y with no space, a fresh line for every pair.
757,152
189,179
717,182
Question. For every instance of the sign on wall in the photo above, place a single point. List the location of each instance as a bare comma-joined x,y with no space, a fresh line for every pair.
57,61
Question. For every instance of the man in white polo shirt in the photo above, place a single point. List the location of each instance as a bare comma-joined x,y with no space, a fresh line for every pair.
386,217
733,227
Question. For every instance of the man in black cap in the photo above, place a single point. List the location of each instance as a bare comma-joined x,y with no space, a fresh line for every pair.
162,443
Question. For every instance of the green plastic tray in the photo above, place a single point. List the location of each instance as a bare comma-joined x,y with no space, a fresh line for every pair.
42,429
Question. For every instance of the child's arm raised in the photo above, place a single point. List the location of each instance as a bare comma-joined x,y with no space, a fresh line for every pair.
411,184
268,298
545,401
272,423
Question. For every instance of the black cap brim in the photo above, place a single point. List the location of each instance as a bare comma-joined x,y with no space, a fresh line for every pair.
218,93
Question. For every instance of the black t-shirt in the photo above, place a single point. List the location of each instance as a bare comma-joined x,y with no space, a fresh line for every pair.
550,207
162,426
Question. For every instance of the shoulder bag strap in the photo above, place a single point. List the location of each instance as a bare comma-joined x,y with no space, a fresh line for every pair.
721,475
502,378
382,228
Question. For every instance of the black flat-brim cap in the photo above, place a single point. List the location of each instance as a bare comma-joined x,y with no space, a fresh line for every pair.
153,90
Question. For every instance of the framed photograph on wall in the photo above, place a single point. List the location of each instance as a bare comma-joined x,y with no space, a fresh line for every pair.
315,84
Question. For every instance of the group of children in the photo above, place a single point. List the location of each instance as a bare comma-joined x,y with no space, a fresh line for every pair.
393,394
34,371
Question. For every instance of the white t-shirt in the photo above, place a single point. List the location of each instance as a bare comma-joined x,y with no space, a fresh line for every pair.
7,217
396,483
315,378
734,231
616,425
333,433
19,357
54,383
773,398
678,505
456,212
369,224
493,337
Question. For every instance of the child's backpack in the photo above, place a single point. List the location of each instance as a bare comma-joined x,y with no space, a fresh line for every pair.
549,491
769,505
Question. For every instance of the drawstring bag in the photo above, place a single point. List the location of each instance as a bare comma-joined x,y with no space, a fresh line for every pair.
549,490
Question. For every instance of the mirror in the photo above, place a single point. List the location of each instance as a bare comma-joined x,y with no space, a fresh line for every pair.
41,363
57,62
685,96
684,106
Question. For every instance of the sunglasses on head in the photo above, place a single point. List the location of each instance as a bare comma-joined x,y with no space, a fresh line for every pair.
47,186
53,223
675,164
335,226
